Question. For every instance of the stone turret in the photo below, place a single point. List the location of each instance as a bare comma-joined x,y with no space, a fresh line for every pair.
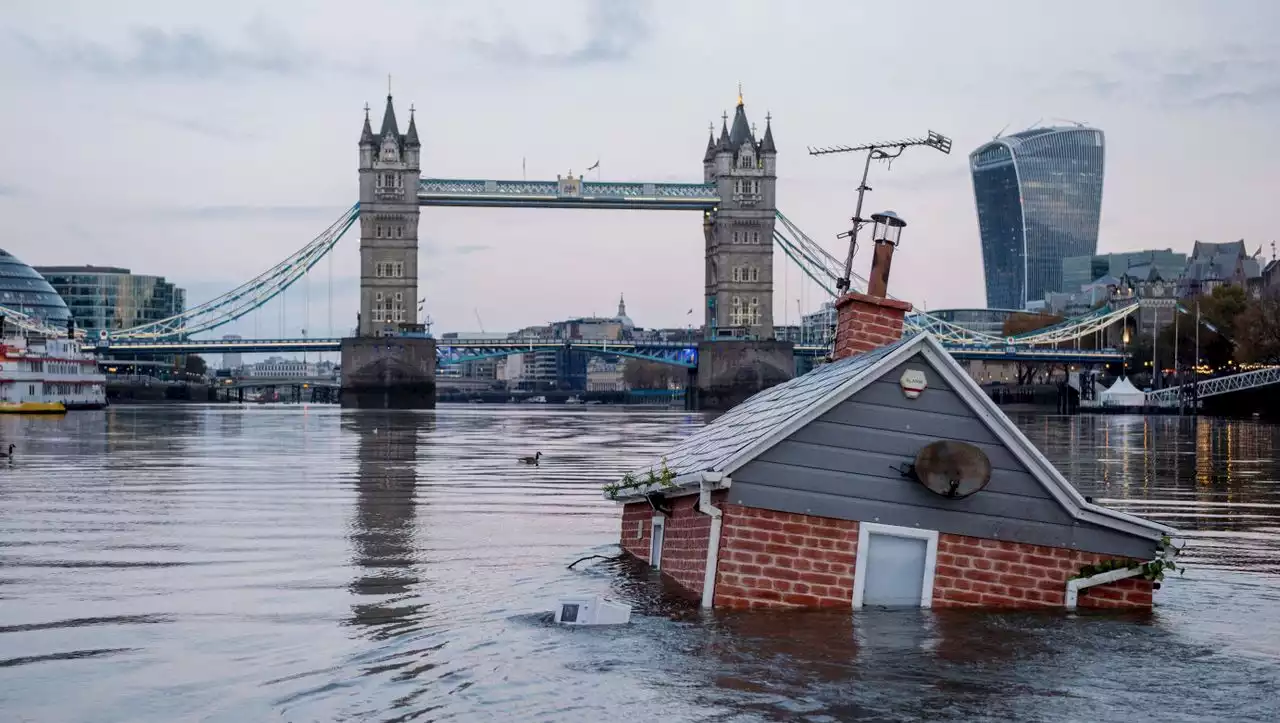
389,172
740,241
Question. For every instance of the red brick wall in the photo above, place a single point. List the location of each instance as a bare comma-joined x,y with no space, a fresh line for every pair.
780,560
972,572
774,559
684,540
866,322
635,529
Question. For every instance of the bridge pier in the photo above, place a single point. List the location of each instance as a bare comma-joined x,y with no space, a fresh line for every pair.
729,371
391,372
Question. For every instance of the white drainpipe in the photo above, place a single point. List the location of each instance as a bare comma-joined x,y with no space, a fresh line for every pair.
713,541
1075,586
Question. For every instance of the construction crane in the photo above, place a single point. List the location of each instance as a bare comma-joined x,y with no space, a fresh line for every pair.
478,321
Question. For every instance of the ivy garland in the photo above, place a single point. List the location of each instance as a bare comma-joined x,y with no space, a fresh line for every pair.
664,478
1153,570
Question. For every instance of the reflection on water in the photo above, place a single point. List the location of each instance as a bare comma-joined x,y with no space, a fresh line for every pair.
383,529
1218,480
217,563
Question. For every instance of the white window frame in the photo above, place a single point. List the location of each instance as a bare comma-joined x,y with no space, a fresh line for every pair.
657,539
866,529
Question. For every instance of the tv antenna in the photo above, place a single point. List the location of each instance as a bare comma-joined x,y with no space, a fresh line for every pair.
886,151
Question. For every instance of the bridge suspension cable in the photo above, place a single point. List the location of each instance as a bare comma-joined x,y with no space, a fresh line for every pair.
248,296
31,324
825,270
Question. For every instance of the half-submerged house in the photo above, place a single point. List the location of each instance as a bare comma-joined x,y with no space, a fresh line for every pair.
887,477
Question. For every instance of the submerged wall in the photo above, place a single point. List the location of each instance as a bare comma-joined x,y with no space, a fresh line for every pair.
783,560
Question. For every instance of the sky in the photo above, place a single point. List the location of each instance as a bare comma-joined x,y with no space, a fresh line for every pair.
206,142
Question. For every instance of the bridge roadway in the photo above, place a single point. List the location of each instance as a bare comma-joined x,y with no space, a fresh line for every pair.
567,193
685,354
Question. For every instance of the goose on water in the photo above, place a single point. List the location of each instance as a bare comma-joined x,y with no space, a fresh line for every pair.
3,455
531,460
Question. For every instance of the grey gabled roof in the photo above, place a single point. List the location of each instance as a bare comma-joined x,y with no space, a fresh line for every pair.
708,449
764,420
1202,249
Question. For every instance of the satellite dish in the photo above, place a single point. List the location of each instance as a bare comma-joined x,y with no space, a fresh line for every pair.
952,469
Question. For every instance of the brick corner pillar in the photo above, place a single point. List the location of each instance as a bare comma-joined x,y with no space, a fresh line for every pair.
867,322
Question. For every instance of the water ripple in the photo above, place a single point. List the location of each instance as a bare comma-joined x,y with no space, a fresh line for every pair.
314,564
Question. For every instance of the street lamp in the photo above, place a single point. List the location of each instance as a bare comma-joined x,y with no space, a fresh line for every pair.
886,233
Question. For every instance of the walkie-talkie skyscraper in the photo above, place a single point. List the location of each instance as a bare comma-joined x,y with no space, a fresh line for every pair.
1039,197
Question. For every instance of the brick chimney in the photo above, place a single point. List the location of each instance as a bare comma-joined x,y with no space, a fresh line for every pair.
869,321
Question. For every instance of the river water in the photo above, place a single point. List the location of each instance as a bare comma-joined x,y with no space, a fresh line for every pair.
183,563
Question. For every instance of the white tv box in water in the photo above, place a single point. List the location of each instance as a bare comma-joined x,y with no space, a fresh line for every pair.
591,610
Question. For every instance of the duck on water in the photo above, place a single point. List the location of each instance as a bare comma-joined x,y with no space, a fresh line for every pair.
531,460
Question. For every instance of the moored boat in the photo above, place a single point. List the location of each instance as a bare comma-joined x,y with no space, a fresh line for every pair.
42,374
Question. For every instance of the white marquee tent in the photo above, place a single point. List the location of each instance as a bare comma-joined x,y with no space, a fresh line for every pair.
1123,394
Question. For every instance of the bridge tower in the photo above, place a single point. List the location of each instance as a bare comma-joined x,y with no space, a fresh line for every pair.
739,356
389,171
739,234
390,363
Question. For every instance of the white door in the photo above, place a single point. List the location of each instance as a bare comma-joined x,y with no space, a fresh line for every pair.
894,566
655,542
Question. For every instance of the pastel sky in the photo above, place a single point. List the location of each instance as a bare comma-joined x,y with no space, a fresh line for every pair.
204,142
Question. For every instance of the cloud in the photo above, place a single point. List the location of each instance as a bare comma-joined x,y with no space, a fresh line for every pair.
8,191
1230,76
470,249
614,30
152,52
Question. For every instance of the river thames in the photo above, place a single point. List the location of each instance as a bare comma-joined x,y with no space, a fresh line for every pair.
215,563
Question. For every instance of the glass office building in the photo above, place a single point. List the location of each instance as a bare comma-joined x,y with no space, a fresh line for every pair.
1039,197
107,298
24,290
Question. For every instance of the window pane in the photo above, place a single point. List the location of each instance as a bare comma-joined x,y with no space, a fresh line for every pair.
895,570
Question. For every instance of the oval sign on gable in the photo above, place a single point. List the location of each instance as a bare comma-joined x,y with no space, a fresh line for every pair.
913,382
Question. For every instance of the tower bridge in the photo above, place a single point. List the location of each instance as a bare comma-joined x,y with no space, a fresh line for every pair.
391,360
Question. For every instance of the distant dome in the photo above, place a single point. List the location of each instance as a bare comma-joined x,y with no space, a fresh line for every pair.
622,314
24,290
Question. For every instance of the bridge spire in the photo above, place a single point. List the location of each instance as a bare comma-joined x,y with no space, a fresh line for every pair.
710,155
411,138
766,145
366,134
741,131
724,132
389,125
